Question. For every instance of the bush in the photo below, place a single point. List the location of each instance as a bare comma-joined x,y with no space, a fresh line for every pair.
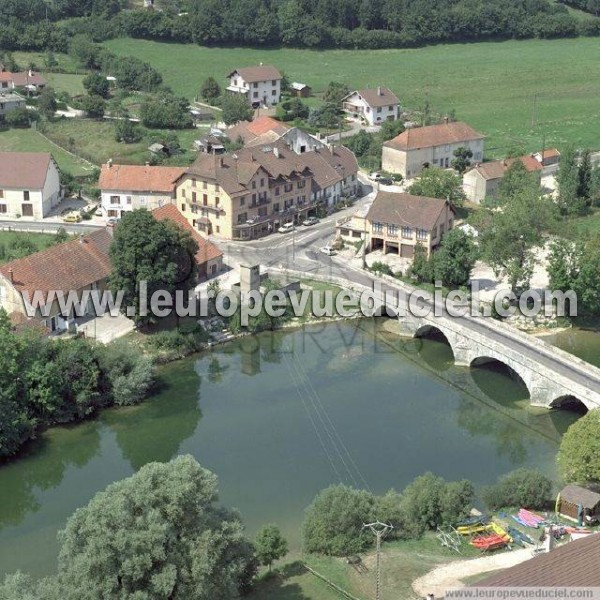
334,521
523,487
165,111
20,117
381,268
177,343
579,453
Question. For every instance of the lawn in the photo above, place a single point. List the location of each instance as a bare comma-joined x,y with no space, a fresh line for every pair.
581,227
492,85
28,140
66,82
39,241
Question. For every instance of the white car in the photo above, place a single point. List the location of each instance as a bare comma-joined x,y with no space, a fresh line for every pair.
327,250
310,221
286,228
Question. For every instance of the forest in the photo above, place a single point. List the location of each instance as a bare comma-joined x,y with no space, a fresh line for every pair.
367,24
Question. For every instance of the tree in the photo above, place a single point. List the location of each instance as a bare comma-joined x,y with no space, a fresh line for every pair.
579,453
584,177
335,92
455,258
84,50
421,267
210,89
523,487
96,85
333,522
159,253
462,159
158,534
47,103
50,60
439,183
236,108
515,181
295,109
20,117
165,111
270,545
126,131
568,183
390,129
94,106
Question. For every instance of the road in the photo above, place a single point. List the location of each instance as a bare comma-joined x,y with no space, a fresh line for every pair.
48,226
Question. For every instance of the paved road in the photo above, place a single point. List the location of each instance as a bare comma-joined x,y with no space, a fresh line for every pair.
48,227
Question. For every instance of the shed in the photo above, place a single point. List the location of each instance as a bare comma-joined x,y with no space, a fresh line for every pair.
158,149
300,90
574,496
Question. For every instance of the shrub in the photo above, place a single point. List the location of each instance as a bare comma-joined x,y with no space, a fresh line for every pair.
523,487
579,453
381,268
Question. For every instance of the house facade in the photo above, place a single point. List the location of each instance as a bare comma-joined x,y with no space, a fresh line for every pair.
372,105
261,84
29,184
124,188
484,179
9,101
421,147
74,266
28,79
398,222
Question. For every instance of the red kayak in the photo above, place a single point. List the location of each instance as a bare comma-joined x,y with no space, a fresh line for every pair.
488,542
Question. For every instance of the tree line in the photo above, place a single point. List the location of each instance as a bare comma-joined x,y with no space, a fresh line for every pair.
368,24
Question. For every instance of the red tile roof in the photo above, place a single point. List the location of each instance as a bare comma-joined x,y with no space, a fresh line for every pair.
258,73
497,168
406,210
434,135
574,564
379,96
24,170
139,178
206,249
249,130
72,265
24,78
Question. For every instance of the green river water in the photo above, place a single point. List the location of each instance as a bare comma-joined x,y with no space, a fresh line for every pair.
282,415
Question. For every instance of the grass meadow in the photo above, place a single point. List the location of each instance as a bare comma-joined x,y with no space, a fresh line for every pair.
517,93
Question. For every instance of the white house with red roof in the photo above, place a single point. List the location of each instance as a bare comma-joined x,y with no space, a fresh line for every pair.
261,84
124,188
29,184
27,79
372,105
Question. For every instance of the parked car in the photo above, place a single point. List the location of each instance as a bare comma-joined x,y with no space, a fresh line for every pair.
327,250
286,228
99,212
310,221
112,221
385,181
72,218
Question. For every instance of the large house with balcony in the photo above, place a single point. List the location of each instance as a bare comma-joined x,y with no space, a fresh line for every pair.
372,105
420,147
29,184
124,188
251,193
261,85
397,223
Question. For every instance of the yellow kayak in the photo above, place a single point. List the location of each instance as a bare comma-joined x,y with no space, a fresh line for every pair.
471,529
500,531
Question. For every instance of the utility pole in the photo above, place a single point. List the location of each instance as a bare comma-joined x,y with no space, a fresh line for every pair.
379,530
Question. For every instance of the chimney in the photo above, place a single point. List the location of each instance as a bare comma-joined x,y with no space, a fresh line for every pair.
147,163
11,276
276,152
446,120
109,163
30,73
379,92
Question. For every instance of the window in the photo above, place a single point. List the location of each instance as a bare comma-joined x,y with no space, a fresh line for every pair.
255,94
390,108
274,82
183,208
204,185
242,217
235,82
377,227
204,199
242,200
421,234
262,182
288,187
254,185
253,198
379,109
26,196
128,200
194,197
183,193
218,229
255,85
301,184
217,200
407,232
392,230
194,183
194,209
1,193
217,188
262,211
276,207
115,199
3,209
273,92
277,191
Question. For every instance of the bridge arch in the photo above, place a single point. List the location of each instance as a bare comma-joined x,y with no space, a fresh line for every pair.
569,402
480,361
433,332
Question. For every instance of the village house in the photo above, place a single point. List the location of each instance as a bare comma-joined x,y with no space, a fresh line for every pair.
252,192
261,85
300,90
29,80
29,184
127,187
372,105
266,130
74,266
398,222
579,504
418,148
209,259
9,101
483,180
550,157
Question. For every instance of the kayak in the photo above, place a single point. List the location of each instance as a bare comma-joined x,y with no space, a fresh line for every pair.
529,519
519,537
488,542
520,522
500,532
472,529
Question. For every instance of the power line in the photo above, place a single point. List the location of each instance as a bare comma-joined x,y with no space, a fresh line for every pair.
379,529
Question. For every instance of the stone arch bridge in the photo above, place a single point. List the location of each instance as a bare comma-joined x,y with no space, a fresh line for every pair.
551,375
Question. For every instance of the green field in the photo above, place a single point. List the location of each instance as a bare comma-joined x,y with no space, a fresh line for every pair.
493,85
39,241
66,82
28,140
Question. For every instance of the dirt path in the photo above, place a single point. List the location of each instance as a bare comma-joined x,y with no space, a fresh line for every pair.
448,576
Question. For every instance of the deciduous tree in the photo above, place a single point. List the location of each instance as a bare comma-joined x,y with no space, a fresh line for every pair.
236,108
579,452
210,90
439,183
462,159
270,545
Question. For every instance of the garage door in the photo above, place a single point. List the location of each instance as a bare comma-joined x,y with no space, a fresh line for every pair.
407,251
27,210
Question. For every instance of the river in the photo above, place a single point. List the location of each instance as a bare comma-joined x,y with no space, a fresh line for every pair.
278,417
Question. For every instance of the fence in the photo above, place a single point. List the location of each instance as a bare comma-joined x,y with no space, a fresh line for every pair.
332,585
